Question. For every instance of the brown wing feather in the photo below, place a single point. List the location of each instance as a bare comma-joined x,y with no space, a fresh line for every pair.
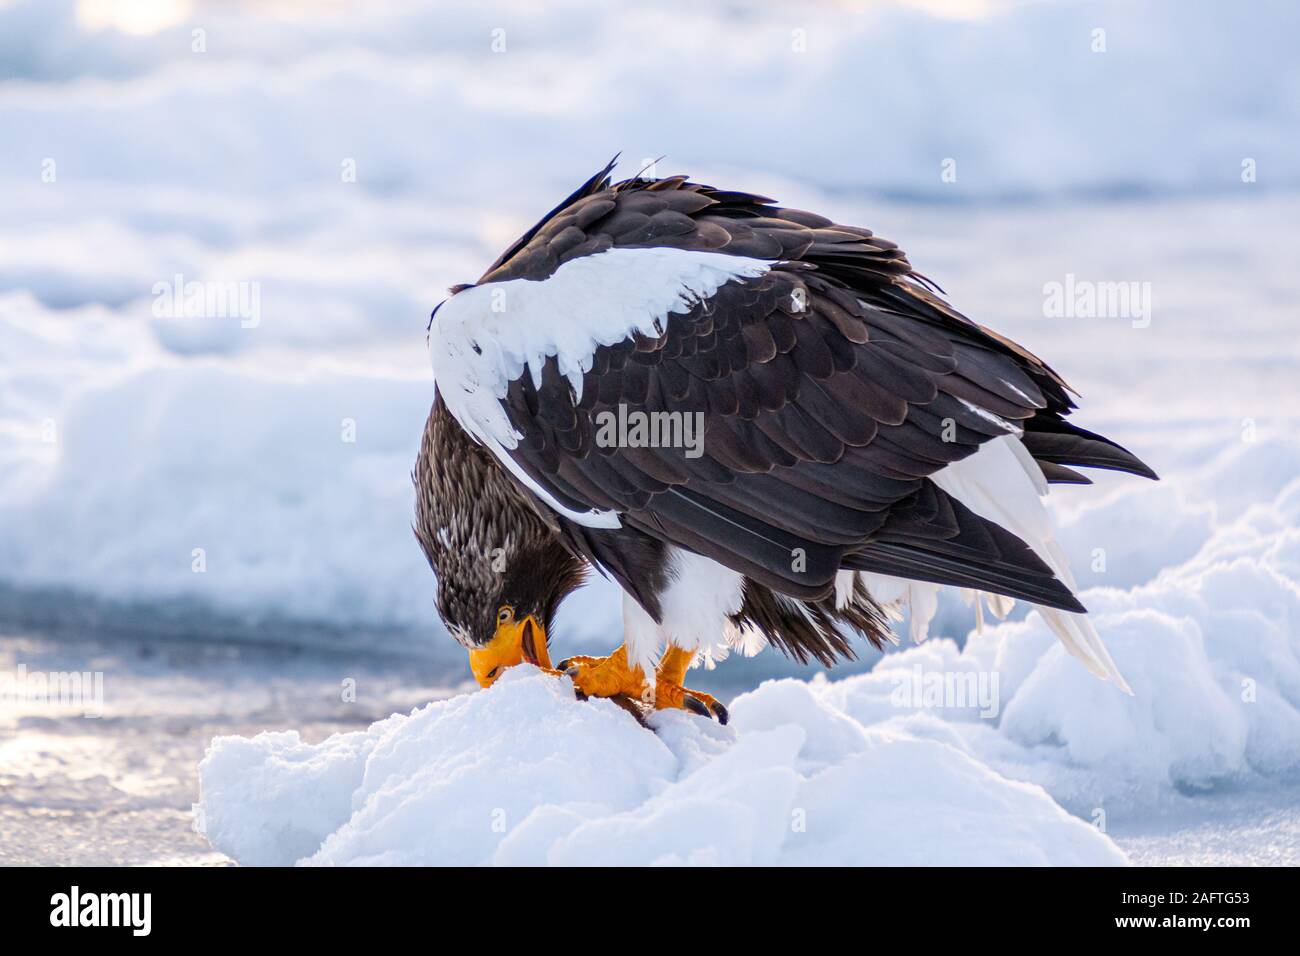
831,388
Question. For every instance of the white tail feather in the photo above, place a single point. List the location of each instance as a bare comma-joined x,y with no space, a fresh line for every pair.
1002,483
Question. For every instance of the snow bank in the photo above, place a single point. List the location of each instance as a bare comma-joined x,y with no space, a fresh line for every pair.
1211,647
206,481
524,774
941,754
883,93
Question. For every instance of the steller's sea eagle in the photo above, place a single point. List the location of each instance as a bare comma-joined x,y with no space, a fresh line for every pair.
859,442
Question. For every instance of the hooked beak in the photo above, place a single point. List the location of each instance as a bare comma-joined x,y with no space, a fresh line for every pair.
511,644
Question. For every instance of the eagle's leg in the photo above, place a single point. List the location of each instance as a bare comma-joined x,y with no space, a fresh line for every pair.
669,691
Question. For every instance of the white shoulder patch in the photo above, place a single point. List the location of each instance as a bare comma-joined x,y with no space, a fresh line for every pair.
487,336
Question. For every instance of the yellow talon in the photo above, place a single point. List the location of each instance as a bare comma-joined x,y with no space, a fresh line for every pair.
612,677
606,676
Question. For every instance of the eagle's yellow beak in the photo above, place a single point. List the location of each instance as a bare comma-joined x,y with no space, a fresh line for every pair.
512,643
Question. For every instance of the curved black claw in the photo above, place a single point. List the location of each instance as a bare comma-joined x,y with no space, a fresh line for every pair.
697,707
720,712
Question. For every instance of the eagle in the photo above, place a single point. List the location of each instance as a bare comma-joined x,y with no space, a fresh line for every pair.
766,427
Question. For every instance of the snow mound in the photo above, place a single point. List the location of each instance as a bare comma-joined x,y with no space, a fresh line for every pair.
1211,649
524,774
942,754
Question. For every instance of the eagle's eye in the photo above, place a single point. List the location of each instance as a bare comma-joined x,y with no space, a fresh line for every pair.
506,614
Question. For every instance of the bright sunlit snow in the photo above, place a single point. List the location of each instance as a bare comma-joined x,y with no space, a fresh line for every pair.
523,774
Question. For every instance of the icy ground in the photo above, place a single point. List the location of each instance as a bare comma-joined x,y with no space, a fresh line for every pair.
118,789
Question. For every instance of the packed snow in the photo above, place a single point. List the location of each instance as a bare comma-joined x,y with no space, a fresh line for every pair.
523,774
942,754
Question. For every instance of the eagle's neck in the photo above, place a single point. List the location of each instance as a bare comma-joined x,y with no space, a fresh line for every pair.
461,488
471,518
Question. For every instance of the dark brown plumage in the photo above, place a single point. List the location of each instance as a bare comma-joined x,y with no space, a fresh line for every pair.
833,387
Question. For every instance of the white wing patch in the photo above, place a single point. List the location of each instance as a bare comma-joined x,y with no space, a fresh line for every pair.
487,336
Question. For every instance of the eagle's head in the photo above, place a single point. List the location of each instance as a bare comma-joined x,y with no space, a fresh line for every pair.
501,571
500,607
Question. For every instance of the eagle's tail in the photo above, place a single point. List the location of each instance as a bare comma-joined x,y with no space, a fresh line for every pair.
1010,550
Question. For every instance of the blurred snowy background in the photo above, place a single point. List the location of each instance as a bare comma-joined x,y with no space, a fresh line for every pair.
222,502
